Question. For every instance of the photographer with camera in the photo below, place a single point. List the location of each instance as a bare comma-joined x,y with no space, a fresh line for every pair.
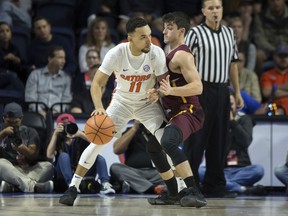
65,148
19,144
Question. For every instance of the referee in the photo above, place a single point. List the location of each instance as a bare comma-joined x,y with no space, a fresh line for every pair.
214,48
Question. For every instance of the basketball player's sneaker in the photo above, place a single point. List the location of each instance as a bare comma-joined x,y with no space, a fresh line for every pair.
165,199
69,196
193,198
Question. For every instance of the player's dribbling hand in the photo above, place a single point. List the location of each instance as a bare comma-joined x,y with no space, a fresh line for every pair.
153,95
99,111
165,87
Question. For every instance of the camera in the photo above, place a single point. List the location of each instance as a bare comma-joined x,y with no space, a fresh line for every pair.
69,128
15,138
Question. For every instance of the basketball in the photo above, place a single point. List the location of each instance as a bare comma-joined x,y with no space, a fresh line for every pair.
99,129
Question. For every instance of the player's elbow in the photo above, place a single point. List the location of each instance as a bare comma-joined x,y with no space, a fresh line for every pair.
199,88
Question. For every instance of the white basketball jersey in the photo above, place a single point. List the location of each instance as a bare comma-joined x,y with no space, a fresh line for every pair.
133,82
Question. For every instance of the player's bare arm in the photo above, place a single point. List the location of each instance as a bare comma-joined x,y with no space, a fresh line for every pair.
183,62
97,86
235,82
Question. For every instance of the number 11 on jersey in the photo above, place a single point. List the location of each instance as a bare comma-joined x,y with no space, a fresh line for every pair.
135,86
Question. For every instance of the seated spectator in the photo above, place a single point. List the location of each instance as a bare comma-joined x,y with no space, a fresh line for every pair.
98,38
50,84
92,59
281,172
247,10
82,101
274,83
252,106
248,79
19,16
240,174
43,39
10,81
19,144
65,148
136,174
270,28
243,43
9,54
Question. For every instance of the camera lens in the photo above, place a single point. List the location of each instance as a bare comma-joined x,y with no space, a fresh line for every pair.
17,141
71,128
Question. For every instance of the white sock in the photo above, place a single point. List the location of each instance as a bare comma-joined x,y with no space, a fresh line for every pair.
76,180
87,159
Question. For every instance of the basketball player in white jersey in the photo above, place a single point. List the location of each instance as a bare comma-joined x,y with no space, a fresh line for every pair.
137,65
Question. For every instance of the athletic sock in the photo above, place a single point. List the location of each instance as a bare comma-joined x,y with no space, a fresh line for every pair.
76,180
190,181
172,186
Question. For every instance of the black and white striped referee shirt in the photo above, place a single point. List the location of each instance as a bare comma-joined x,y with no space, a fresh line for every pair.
213,51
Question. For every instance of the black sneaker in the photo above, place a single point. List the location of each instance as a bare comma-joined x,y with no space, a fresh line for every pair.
258,190
193,198
69,196
165,199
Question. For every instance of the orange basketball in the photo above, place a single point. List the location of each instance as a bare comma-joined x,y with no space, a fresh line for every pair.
99,129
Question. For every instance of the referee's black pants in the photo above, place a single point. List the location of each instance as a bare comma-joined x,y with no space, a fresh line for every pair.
212,138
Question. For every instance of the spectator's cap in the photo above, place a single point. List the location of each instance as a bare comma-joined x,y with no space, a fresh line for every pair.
13,110
64,118
281,49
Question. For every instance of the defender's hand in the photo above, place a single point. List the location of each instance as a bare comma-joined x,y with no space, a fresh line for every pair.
165,87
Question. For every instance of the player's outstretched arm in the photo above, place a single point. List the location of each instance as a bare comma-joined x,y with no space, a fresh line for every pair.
97,86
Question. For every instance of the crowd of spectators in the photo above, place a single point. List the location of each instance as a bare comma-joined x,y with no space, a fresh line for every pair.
259,27
59,69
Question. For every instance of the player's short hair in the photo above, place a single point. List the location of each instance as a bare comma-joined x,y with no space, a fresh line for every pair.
180,18
135,22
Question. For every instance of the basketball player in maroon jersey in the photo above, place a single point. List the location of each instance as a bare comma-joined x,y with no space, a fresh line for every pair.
179,98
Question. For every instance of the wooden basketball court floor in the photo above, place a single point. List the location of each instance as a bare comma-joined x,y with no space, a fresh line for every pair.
137,205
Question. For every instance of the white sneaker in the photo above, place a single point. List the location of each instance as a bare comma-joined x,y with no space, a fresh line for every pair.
106,188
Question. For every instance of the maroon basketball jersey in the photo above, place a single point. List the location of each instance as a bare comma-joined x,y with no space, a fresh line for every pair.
173,103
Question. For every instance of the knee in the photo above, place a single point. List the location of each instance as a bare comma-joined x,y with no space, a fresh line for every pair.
259,171
278,170
100,159
171,138
63,156
115,167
